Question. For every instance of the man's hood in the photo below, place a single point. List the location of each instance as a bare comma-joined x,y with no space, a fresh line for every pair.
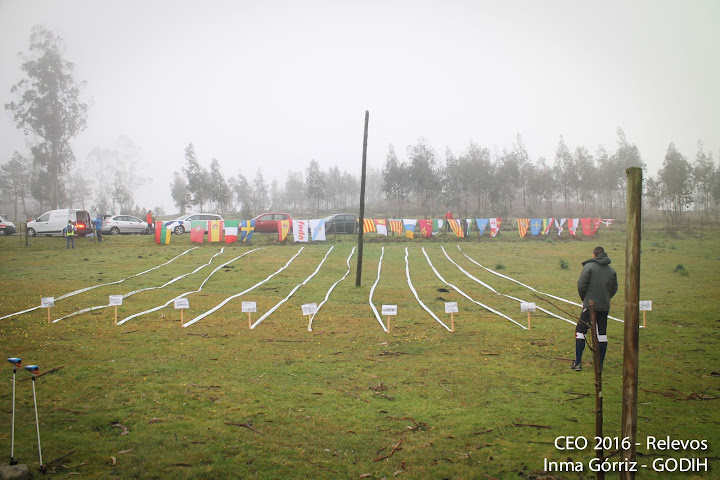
601,259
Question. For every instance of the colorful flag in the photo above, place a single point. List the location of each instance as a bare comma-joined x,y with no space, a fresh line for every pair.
523,226
456,227
559,224
368,225
535,226
247,227
317,230
589,225
283,229
573,224
468,226
197,230
607,221
396,226
231,230
436,226
425,227
409,225
215,229
495,226
162,234
482,223
547,223
300,230
381,227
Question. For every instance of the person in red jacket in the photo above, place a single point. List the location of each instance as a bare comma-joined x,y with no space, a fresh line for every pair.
150,222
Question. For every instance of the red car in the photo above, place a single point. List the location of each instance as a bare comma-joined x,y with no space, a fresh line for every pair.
267,222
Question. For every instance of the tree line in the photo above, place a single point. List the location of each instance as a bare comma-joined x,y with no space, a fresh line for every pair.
478,182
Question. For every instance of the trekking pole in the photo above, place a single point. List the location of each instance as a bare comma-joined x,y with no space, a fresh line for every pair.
34,371
16,362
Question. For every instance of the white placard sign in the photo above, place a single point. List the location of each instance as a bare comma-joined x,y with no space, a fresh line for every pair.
527,306
646,305
116,300
47,302
389,310
309,308
451,307
249,307
181,303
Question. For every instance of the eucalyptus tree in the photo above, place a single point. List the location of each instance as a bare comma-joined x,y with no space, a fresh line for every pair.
15,177
48,105
672,190
395,180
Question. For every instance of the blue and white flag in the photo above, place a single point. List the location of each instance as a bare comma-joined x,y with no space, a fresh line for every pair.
535,226
481,224
317,229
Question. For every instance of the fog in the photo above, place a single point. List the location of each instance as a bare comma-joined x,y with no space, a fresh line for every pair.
275,84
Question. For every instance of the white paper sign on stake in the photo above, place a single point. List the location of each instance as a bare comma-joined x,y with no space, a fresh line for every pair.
116,300
309,309
181,303
47,302
527,306
451,307
388,310
249,307
646,305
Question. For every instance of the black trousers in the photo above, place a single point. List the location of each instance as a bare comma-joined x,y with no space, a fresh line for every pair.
583,325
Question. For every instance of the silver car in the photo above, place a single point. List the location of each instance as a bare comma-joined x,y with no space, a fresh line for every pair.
118,224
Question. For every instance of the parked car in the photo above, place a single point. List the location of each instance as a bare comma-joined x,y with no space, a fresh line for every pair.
183,224
53,222
267,222
341,223
6,226
117,224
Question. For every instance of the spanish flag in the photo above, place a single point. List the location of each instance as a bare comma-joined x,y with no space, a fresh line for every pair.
215,229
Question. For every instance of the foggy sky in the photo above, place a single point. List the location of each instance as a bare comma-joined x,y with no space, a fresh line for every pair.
275,84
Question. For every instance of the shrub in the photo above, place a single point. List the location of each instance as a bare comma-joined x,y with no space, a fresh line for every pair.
499,266
564,264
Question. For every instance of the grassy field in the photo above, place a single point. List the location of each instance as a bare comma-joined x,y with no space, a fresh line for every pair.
150,399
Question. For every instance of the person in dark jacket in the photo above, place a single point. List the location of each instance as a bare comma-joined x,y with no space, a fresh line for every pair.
597,283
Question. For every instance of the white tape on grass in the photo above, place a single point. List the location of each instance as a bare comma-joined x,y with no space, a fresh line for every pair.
504,295
467,296
130,294
188,293
372,290
327,295
527,286
82,290
292,292
224,302
407,273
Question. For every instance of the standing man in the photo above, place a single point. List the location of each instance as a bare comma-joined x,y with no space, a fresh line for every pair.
150,223
597,283
69,234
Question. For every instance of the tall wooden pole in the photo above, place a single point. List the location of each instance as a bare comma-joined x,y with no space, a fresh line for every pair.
600,452
632,313
358,273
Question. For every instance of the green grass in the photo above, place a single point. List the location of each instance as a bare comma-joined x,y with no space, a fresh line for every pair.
329,403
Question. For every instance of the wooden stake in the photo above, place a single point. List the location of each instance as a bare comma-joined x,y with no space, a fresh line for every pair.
452,322
309,323
181,317
644,312
48,316
115,314
529,324
249,320
388,324
358,272
631,337
600,453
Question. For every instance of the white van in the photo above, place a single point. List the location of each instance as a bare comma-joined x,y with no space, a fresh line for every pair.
53,222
